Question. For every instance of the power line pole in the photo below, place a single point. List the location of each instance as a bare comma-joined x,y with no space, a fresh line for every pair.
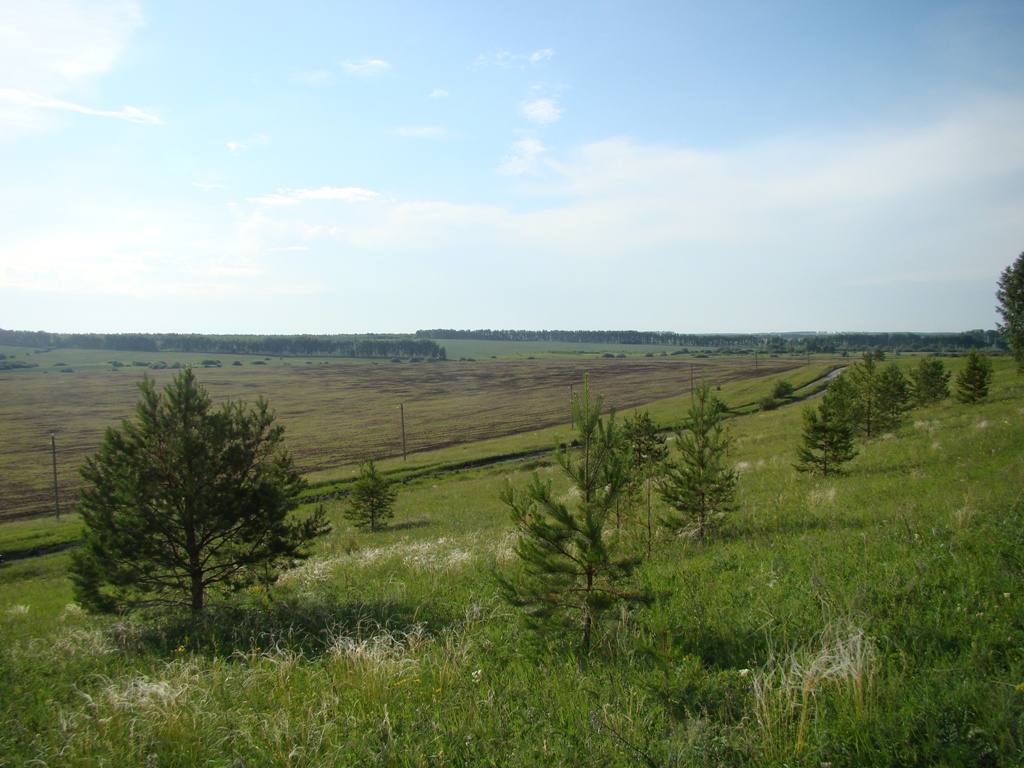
56,496
401,407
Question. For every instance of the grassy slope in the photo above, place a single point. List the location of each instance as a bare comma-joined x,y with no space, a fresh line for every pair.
872,619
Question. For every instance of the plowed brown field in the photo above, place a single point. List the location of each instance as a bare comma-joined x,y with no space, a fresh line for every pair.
334,415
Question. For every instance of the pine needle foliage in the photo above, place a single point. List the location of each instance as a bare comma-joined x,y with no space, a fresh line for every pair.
973,381
187,500
371,504
929,381
646,452
1011,309
698,485
893,398
575,567
827,442
864,377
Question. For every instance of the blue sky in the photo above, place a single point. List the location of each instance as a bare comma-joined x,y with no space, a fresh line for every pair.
335,167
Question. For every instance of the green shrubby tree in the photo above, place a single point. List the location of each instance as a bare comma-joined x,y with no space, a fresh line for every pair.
929,381
699,486
575,567
973,380
187,500
893,398
372,501
1011,309
782,389
827,442
646,454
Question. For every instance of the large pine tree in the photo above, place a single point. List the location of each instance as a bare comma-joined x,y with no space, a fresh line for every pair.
187,500
1011,308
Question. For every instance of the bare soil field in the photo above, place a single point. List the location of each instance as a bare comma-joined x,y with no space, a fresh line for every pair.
334,415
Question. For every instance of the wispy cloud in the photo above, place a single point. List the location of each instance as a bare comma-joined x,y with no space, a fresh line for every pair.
295,196
934,204
541,111
523,158
365,67
36,101
256,140
49,45
506,59
53,49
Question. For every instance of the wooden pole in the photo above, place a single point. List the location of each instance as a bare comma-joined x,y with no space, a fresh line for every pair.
401,407
56,496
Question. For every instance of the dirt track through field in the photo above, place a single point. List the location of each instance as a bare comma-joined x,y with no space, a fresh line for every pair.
335,414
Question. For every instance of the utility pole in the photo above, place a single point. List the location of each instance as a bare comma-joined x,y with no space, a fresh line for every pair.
56,496
401,407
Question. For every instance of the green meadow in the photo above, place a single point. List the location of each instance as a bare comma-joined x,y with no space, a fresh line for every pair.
871,619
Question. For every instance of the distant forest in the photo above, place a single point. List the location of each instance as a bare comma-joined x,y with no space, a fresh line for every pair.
778,342
424,344
383,346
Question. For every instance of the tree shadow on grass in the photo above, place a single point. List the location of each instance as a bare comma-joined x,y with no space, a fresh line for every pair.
306,625
410,525
790,524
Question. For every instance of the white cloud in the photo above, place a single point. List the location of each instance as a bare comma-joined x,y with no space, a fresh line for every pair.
541,111
365,67
507,59
438,93
50,45
295,196
801,228
52,49
35,101
195,253
906,205
523,157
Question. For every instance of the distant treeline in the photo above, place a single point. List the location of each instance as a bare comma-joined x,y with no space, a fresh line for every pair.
384,346
782,342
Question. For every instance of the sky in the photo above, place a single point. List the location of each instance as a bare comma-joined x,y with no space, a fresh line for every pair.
339,167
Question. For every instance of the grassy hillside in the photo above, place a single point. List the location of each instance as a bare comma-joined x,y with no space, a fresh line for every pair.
874,619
